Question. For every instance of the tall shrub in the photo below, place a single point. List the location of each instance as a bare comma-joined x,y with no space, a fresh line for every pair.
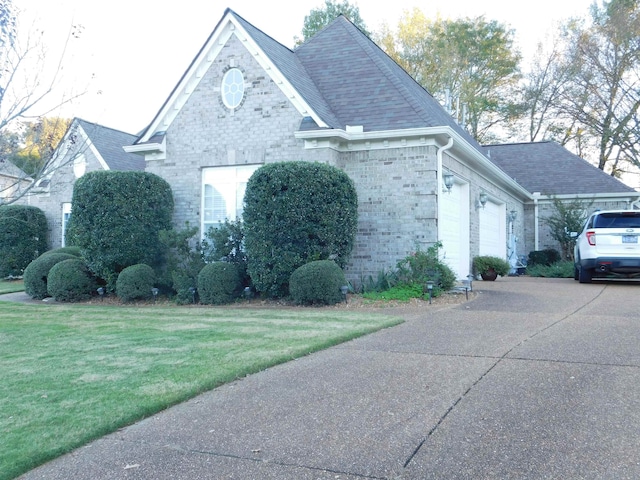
23,237
296,212
116,219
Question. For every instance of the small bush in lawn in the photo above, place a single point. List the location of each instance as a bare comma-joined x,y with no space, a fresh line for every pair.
135,282
37,272
70,281
317,282
218,283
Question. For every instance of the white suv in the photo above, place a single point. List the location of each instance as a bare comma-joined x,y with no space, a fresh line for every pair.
608,245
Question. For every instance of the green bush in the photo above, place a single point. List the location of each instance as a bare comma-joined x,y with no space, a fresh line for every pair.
295,213
117,217
37,272
184,261
75,251
484,263
421,267
317,282
23,237
135,282
70,281
546,257
226,243
402,293
218,283
562,269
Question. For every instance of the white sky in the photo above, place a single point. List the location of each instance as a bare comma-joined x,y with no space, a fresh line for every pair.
131,53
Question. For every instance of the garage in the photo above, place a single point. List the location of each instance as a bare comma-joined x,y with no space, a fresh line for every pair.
453,228
493,236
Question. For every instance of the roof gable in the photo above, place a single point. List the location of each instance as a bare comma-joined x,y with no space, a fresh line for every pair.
550,169
107,145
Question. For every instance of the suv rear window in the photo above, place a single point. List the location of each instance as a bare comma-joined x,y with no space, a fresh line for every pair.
617,220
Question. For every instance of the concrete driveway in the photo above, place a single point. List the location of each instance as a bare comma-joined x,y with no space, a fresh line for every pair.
535,378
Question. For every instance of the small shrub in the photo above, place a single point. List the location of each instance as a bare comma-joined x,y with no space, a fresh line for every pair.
562,269
420,267
70,281
218,283
484,263
184,261
135,282
317,282
37,272
75,251
546,257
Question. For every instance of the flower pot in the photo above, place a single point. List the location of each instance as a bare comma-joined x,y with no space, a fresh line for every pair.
490,275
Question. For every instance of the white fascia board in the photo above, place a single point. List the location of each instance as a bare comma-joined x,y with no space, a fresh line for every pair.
228,26
631,196
367,140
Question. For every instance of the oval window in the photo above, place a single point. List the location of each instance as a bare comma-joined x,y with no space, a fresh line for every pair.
233,88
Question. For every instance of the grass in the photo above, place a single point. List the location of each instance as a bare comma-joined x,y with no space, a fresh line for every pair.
72,373
402,293
10,286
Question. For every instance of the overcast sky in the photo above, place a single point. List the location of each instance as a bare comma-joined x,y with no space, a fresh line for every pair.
129,54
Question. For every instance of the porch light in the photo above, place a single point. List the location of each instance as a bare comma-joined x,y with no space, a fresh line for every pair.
513,215
447,178
482,200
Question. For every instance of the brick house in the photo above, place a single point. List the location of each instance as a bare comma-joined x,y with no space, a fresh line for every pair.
247,100
12,181
85,147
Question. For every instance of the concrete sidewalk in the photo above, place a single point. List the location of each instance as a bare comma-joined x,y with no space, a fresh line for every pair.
485,389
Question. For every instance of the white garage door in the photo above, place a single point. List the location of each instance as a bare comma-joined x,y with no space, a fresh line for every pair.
493,236
453,229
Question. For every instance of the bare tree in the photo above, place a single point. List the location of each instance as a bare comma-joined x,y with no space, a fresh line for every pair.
24,87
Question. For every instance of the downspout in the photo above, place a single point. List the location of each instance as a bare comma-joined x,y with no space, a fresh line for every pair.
536,228
635,204
439,177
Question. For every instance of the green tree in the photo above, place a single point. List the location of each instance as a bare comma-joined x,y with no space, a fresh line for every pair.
296,212
39,141
469,64
567,217
319,18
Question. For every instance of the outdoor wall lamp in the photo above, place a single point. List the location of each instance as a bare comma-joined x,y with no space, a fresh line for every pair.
482,200
447,178
513,215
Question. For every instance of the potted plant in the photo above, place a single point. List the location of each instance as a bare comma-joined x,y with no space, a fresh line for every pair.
489,267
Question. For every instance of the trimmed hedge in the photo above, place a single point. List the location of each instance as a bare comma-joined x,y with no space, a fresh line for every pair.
23,237
317,282
37,272
116,220
295,213
135,283
218,283
70,281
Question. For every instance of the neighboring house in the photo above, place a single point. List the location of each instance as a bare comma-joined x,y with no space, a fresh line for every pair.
548,170
85,147
12,181
247,100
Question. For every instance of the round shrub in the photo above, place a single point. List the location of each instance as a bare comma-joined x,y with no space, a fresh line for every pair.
218,283
37,272
75,251
23,237
135,282
296,212
317,282
70,281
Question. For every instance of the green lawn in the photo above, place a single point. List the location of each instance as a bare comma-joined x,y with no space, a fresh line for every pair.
71,373
11,286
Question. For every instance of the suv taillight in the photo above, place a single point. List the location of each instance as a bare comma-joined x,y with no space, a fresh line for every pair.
591,238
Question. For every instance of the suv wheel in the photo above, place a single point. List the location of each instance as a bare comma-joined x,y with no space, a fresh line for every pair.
585,275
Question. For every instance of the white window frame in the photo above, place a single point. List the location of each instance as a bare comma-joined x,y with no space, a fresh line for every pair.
223,194
66,216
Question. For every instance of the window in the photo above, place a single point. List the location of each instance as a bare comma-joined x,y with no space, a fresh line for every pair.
66,216
223,194
232,88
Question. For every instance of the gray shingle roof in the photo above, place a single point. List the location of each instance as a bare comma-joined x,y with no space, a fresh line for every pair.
109,143
550,169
